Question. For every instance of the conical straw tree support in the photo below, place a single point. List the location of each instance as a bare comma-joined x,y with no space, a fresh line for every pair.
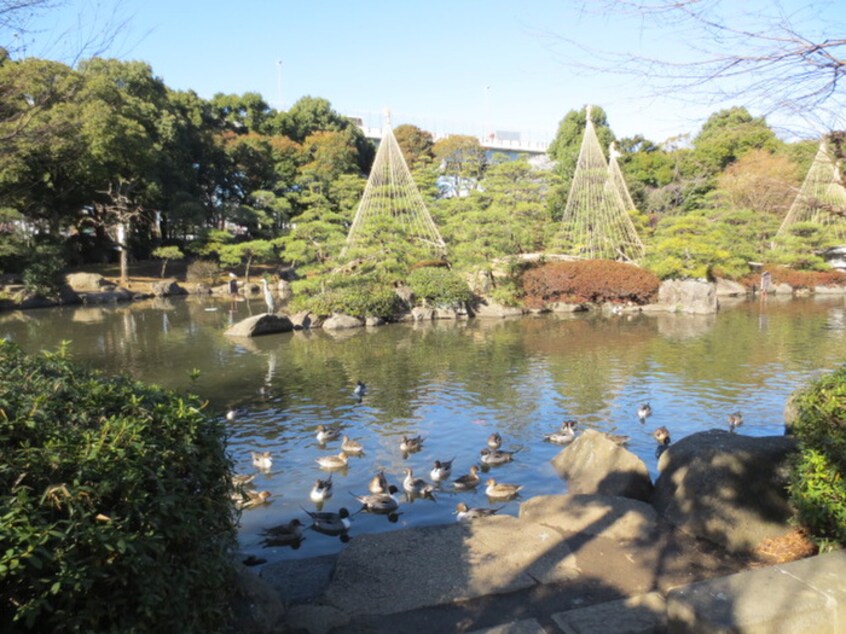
821,200
596,223
392,206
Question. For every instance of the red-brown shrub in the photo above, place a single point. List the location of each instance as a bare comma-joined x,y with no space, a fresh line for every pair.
796,279
588,281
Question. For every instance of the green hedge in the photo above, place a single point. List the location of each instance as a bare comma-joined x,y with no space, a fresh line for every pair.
438,286
114,503
818,485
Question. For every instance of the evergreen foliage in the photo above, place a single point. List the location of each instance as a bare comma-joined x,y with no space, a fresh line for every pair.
115,506
818,482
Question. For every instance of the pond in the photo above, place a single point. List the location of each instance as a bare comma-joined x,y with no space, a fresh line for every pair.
454,383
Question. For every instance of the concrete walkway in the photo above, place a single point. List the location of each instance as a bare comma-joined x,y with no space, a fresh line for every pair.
567,564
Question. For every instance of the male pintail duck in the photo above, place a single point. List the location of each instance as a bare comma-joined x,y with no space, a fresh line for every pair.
262,460
351,447
288,534
662,436
735,420
327,434
644,412
565,436
469,481
330,523
500,490
495,440
410,445
360,390
383,503
441,470
249,499
378,483
416,486
333,462
322,490
467,514
242,479
493,457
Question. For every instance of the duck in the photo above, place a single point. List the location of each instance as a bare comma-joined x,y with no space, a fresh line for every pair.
383,503
565,436
410,445
620,440
249,499
501,490
735,420
378,483
416,486
333,462
351,447
359,390
330,523
442,470
495,440
288,534
326,434
644,412
262,460
322,490
493,457
466,514
242,479
662,436
469,481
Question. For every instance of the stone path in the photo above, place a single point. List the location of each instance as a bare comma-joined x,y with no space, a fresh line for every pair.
563,553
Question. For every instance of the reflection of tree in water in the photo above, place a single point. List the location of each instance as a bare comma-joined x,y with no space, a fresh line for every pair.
590,360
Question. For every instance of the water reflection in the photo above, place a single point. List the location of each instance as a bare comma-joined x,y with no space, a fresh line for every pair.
454,383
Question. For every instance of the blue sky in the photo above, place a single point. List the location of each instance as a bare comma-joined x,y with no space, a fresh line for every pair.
446,66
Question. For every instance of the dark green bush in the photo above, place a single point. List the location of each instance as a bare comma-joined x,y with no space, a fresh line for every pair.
439,287
44,273
818,483
365,300
114,503
588,281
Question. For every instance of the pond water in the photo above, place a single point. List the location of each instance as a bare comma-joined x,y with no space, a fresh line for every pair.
453,383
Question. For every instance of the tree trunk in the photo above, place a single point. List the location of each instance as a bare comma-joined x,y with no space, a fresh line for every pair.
164,266
124,254
247,270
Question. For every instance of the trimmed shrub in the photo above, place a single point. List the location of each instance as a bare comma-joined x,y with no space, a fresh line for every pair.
115,513
588,281
370,300
797,279
203,272
439,287
818,481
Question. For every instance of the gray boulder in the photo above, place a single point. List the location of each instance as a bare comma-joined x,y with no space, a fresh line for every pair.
782,289
492,309
617,518
305,319
688,296
730,288
257,325
339,321
419,313
593,464
166,288
727,488
88,282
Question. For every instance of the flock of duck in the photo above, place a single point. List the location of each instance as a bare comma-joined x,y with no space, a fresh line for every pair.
382,496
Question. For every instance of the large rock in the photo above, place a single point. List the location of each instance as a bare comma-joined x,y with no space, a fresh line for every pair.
730,288
617,518
593,464
88,282
305,319
166,288
688,296
257,325
340,321
492,309
727,488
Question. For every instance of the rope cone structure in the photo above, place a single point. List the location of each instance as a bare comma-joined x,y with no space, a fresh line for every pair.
392,196
615,177
595,221
822,198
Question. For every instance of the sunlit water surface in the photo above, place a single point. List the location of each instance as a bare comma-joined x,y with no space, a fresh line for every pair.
453,383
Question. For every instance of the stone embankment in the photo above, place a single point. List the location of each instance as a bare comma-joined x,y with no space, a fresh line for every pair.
621,555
